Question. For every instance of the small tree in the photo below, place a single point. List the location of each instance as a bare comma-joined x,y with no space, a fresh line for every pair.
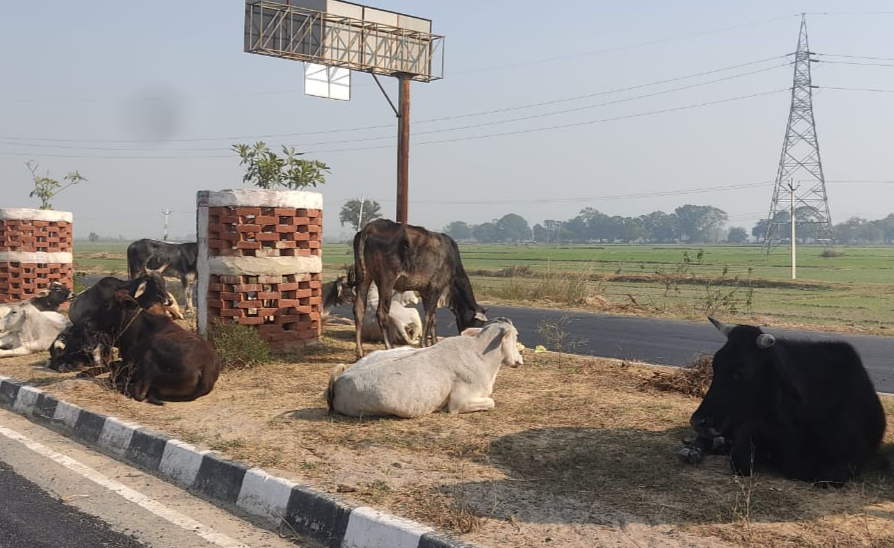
350,213
45,187
268,170
93,237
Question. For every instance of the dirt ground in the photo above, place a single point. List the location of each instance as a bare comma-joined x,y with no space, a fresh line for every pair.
579,452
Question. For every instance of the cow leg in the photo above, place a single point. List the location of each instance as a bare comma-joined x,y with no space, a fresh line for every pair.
359,311
429,325
461,400
184,281
382,313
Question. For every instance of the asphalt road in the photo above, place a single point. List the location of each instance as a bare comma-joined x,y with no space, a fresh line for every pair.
56,493
657,341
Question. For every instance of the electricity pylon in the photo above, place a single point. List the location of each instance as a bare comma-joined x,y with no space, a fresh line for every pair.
800,163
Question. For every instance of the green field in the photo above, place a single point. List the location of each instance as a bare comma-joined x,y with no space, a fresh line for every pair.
851,291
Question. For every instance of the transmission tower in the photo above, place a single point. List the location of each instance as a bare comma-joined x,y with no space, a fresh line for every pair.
799,179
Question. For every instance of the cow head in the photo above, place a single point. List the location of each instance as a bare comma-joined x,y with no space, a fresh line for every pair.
507,342
58,294
741,371
149,289
14,320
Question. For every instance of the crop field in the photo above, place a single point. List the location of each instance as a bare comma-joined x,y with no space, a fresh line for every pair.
853,289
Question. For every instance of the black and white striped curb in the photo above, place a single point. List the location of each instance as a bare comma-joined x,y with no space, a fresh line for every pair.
308,512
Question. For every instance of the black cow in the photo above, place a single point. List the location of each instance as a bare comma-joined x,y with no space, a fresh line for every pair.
81,344
336,292
160,361
404,257
174,260
52,299
806,408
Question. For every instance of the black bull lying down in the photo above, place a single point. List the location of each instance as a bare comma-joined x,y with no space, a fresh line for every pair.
807,409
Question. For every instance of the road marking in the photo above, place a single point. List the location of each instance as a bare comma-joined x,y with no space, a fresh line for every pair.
136,497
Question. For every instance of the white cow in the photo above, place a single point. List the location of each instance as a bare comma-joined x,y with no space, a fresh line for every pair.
458,374
25,329
404,323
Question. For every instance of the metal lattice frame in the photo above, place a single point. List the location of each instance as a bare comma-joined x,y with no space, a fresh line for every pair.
293,32
800,168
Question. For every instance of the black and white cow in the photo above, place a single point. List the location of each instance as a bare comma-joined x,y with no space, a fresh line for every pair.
807,409
174,260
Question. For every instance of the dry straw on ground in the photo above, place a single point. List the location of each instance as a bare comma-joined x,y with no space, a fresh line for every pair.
579,452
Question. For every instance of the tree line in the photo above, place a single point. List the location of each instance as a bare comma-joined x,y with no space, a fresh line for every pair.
686,224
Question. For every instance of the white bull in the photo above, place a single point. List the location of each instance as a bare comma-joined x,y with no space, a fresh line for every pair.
25,329
458,374
404,323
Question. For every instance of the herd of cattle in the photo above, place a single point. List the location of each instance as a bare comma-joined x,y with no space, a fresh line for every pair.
807,409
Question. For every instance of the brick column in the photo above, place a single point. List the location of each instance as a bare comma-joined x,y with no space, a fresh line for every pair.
260,262
35,251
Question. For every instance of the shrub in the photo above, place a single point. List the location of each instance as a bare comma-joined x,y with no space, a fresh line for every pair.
239,346
830,253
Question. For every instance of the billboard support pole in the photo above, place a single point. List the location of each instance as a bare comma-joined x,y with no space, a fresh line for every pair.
403,147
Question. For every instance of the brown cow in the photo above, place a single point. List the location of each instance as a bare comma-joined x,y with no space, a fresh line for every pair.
410,258
159,359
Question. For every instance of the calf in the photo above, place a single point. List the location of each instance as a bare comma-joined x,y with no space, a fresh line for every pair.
160,361
404,323
806,408
458,374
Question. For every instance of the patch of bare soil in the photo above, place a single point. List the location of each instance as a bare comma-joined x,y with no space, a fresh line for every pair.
579,452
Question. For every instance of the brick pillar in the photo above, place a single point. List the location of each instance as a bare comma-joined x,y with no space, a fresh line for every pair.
260,262
35,250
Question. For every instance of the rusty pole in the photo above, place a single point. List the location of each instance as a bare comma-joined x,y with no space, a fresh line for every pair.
403,147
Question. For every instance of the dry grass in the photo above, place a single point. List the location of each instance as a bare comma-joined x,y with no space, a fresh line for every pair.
692,380
579,452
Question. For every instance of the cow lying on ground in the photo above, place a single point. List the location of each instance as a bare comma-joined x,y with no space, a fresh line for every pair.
46,301
25,329
160,361
81,345
805,408
174,260
404,257
336,292
404,323
458,374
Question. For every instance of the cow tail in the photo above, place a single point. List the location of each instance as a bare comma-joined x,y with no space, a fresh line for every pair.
330,390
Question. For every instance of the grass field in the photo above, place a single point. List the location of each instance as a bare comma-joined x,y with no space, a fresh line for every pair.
851,291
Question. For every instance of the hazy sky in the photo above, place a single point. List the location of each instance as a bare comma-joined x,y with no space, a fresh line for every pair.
146,98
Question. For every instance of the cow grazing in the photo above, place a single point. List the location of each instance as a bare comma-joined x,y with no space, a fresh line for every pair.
160,361
405,257
404,323
806,408
81,345
174,260
458,374
26,329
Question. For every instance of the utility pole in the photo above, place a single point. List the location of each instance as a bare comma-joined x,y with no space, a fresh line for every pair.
792,188
167,213
403,147
801,156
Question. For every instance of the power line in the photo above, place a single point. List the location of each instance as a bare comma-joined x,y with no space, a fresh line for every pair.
424,121
445,130
875,90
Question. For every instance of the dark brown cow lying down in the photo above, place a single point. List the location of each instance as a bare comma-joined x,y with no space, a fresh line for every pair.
160,361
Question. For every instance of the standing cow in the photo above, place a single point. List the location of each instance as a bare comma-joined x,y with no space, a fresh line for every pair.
404,257
174,260
805,408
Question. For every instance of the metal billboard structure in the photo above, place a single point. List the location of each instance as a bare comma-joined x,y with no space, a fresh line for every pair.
334,37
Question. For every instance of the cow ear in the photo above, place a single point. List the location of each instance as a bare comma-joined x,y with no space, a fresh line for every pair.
471,331
480,316
122,296
140,290
765,340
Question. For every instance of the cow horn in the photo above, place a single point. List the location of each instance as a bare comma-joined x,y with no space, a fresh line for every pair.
724,328
765,340
140,290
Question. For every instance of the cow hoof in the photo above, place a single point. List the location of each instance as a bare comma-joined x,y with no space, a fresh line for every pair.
690,455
